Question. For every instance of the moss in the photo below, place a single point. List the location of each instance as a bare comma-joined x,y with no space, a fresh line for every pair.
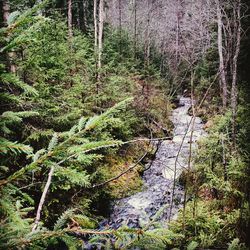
127,184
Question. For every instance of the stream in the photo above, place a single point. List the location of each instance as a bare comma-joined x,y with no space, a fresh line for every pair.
137,210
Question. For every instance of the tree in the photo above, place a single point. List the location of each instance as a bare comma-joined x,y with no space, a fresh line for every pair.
10,55
221,56
237,25
100,37
95,34
135,26
70,31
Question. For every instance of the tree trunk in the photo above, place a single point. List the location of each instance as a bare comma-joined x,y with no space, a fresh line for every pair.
6,11
85,14
221,57
177,40
70,32
120,28
10,55
81,17
135,27
95,36
100,36
235,68
147,39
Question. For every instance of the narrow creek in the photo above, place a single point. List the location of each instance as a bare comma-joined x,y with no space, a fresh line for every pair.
138,209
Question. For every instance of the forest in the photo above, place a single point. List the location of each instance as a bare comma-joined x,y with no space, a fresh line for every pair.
124,124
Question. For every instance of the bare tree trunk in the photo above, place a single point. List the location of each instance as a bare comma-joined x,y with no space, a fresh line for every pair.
95,35
84,18
120,27
177,42
70,32
221,57
147,38
78,16
235,68
100,36
81,15
95,22
135,27
162,57
6,11
10,55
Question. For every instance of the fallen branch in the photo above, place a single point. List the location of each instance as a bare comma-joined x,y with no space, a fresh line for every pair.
42,200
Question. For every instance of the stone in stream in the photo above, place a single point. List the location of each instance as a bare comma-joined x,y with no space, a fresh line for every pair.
137,210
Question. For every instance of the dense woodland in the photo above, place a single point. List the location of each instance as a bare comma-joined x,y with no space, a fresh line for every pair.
87,88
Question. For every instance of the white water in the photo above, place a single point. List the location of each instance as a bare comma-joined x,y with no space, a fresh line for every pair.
138,209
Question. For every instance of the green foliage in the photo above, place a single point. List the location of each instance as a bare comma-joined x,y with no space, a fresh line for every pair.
7,146
13,81
216,190
62,152
236,245
53,115
192,245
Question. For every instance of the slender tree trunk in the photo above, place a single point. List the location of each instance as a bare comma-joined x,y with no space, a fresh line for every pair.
10,55
235,68
85,14
147,39
162,56
95,34
6,11
79,15
70,32
177,40
83,17
221,57
135,28
95,22
100,36
120,28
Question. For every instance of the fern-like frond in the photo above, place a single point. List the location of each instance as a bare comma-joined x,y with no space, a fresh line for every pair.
37,155
63,219
88,159
13,80
98,120
81,123
84,221
91,146
73,176
73,243
7,146
53,142
11,118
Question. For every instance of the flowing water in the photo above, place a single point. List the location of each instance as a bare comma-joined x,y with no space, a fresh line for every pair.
138,209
